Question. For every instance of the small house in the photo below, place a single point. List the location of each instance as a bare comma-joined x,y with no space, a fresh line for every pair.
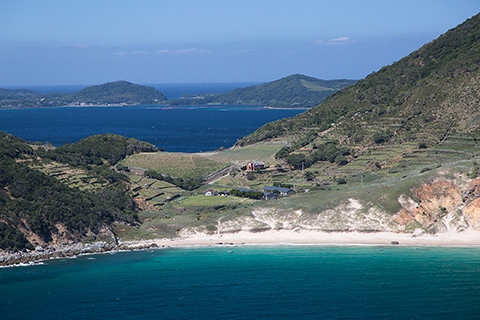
254,165
210,192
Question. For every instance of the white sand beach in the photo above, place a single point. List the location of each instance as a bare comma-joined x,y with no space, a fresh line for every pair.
303,237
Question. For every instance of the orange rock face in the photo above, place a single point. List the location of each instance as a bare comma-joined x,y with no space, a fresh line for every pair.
435,201
472,212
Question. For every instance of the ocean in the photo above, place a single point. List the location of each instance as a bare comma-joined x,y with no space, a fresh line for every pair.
177,129
250,282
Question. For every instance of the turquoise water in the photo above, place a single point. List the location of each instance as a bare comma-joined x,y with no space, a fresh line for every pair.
274,282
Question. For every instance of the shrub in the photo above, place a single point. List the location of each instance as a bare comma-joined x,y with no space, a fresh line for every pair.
282,153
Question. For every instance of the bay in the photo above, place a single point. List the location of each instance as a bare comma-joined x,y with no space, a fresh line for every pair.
176,129
272,282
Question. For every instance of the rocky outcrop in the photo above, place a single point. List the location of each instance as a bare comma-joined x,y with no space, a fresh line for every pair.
442,206
44,252
53,251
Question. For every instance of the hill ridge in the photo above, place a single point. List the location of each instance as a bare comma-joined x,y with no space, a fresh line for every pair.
436,84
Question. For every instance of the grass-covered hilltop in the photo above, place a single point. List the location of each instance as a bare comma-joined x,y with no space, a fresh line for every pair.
295,91
397,151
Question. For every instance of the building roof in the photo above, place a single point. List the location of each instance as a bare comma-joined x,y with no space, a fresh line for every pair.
247,190
282,190
269,194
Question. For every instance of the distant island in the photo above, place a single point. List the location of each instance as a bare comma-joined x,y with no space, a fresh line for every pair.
118,92
295,91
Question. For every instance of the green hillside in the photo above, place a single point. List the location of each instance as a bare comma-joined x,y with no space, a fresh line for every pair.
431,92
295,91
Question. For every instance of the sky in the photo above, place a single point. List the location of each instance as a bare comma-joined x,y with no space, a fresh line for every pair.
73,42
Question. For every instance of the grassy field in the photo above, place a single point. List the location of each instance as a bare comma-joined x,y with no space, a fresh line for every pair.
180,165
209,201
155,224
245,154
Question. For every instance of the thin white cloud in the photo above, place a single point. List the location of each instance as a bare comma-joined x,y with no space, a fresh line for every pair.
81,46
131,53
242,51
30,48
336,41
183,51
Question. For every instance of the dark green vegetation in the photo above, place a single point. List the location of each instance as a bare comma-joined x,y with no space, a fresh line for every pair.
37,208
117,92
295,91
98,150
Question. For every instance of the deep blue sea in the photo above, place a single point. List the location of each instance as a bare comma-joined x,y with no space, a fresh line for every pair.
253,282
178,129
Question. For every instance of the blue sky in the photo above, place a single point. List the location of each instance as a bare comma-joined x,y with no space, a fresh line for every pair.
52,42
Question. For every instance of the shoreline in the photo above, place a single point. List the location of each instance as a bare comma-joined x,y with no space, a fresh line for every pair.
154,106
468,238
313,237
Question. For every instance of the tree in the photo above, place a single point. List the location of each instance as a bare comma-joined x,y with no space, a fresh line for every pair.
309,175
250,176
296,160
282,153
340,160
